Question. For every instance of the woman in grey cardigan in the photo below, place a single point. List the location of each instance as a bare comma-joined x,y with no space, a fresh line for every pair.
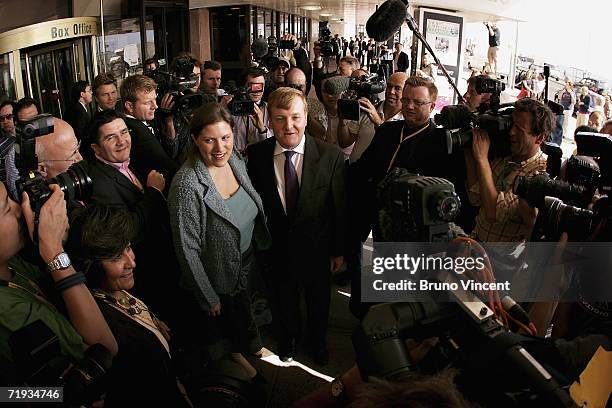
218,221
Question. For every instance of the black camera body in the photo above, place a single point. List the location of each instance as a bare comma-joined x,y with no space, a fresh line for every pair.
241,104
488,85
366,86
417,208
286,44
75,182
178,84
325,39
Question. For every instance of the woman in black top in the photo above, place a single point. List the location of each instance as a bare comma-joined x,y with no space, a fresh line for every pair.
142,373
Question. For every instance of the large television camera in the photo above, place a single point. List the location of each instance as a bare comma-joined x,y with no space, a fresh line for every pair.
38,359
493,117
241,104
365,86
415,208
178,84
75,182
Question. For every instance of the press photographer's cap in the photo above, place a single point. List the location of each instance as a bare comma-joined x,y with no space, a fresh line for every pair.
285,61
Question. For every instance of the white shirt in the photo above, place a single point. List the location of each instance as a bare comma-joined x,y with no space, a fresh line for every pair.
279,166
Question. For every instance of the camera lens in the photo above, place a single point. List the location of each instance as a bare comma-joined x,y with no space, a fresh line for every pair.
560,217
445,205
75,183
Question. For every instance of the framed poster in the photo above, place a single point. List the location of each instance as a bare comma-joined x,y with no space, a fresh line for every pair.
444,33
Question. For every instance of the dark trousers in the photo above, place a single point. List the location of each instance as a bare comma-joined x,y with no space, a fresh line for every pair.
285,301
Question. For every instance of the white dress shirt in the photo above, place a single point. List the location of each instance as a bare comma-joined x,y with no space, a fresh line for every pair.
279,166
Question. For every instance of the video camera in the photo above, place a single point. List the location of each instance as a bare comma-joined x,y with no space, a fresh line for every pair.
75,182
178,84
241,104
563,205
415,208
325,39
493,117
366,86
36,351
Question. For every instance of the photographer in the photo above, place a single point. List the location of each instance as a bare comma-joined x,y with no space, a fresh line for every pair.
23,302
55,153
151,149
276,76
177,124
300,57
255,127
503,216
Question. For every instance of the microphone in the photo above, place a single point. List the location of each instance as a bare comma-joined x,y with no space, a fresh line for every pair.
336,85
387,20
259,48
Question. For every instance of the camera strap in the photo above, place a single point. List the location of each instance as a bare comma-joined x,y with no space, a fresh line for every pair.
403,138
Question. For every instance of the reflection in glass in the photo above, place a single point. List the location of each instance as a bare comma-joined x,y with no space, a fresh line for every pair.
7,73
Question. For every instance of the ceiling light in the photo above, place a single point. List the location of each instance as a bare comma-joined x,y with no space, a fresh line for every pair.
311,7
325,14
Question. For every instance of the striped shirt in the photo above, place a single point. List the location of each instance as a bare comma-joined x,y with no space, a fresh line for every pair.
508,225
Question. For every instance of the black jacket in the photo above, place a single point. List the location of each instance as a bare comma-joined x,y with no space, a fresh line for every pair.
79,119
403,62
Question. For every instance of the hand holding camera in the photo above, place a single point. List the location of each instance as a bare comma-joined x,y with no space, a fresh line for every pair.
52,222
369,108
258,119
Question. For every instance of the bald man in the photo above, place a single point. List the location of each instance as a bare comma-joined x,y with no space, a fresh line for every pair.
55,152
295,78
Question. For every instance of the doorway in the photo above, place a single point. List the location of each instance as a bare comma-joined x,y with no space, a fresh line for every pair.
52,70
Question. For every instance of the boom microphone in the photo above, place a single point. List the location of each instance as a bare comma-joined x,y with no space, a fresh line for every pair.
259,48
387,20
336,85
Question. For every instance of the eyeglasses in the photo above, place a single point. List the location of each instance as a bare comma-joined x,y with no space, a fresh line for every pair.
416,102
70,158
6,117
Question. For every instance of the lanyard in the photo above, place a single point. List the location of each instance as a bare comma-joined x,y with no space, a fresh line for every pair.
402,140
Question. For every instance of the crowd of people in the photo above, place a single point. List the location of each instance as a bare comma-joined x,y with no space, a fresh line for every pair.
190,211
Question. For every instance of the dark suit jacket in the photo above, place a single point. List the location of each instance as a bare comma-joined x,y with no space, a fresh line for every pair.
112,188
148,153
403,62
79,119
302,247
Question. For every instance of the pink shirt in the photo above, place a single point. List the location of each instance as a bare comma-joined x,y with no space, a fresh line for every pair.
124,169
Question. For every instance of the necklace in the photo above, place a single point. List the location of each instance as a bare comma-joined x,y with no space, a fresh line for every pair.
127,302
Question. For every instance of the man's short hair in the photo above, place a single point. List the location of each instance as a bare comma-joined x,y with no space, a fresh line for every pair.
415,81
473,79
105,78
100,119
77,88
212,65
352,61
24,103
5,103
153,61
283,98
542,120
132,85
252,72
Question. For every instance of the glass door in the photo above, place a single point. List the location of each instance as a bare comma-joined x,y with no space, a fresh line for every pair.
51,74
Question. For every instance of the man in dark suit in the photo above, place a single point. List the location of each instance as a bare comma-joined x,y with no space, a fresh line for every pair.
301,181
117,183
152,146
400,59
78,114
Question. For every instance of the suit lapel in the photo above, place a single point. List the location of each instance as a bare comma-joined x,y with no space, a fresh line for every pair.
119,178
269,174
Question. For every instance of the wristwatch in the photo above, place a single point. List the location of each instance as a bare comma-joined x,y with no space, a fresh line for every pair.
337,389
60,262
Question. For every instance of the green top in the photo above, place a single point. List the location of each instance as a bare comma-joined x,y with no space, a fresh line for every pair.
244,210
19,307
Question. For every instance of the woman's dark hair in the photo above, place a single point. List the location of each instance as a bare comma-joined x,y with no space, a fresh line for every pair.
208,114
98,233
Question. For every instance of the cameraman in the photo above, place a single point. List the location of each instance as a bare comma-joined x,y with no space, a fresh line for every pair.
503,216
473,99
390,109
252,128
22,302
177,125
